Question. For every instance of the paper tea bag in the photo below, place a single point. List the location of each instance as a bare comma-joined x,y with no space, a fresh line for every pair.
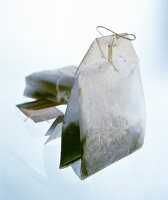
55,130
51,88
41,110
105,117
54,85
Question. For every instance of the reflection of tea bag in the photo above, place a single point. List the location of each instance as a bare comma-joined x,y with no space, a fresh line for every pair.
105,117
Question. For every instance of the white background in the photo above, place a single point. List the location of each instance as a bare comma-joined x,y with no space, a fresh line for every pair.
46,34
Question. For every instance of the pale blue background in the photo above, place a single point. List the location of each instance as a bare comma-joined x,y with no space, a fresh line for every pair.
47,34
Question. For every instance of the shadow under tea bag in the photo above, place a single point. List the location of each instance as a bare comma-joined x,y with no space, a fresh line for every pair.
105,116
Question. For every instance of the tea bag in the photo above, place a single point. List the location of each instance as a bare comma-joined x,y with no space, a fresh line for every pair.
55,130
51,88
54,85
105,116
40,110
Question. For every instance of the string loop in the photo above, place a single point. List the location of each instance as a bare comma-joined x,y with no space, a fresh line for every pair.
119,35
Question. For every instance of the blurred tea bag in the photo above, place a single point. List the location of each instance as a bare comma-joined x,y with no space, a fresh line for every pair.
51,88
54,85
105,117
40,110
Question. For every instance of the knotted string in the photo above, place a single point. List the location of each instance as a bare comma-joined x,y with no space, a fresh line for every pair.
118,35
112,43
